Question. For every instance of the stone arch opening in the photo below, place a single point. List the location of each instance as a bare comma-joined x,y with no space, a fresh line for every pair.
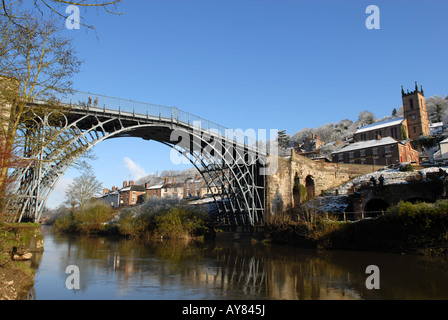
310,187
298,191
376,205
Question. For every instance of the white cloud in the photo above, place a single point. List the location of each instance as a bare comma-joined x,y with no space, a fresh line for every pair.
135,170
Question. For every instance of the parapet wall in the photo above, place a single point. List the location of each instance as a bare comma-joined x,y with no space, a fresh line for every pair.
315,176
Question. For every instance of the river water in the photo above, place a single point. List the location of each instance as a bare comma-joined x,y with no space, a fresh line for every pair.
121,269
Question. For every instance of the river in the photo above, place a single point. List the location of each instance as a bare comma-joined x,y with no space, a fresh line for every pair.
121,269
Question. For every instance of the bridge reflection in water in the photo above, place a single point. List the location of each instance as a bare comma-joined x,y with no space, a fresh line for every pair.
126,269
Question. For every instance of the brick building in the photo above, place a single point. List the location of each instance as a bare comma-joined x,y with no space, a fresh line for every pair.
129,193
396,128
383,151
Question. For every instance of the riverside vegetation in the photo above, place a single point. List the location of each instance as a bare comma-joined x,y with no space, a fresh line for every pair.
157,218
419,228
405,228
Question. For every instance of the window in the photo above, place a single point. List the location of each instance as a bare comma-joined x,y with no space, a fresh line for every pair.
411,102
351,155
362,153
340,156
375,151
415,129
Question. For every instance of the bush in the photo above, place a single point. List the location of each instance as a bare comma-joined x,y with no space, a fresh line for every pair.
91,220
180,222
406,167
169,218
94,217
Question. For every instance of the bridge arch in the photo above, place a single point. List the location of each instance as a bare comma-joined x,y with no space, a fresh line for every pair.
234,165
310,187
376,204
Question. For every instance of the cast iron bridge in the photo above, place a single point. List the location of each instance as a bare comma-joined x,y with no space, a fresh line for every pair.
223,157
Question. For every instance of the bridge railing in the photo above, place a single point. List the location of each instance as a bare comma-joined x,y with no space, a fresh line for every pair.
107,103
356,216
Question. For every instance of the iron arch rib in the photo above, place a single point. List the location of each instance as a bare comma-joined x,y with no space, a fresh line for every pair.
219,160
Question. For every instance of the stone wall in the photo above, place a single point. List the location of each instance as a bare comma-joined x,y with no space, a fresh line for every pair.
315,176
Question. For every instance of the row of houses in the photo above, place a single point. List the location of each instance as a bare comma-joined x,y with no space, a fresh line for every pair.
131,194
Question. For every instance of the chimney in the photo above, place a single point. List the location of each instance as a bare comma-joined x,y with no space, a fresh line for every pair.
147,185
166,180
131,183
105,191
174,180
125,184
198,176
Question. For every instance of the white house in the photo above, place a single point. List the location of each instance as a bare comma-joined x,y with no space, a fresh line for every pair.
441,156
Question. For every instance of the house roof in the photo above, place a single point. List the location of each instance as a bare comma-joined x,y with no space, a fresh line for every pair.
380,125
367,144
444,141
159,186
132,188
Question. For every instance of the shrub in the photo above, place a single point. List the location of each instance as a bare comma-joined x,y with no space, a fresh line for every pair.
179,222
91,220
406,167
169,218
93,217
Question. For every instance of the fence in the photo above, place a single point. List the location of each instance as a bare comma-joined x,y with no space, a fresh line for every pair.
355,216
98,101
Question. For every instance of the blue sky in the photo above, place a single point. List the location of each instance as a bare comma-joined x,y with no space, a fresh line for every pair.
262,64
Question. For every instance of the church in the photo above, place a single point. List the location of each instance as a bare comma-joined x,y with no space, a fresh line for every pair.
388,142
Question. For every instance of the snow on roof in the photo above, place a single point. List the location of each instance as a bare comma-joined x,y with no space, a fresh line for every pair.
156,187
437,124
380,125
367,144
444,141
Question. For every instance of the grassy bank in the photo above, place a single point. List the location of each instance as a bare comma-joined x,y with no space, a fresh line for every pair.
406,228
18,243
167,218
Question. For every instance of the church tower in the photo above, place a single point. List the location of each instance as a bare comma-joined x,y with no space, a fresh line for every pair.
414,111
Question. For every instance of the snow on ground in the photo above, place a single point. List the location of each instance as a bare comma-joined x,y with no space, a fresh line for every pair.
391,176
328,204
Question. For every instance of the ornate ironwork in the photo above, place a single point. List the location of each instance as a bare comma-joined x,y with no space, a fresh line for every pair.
233,161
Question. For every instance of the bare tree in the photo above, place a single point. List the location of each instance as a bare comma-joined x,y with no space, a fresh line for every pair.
437,108
366,117
36,63
40,8
82,190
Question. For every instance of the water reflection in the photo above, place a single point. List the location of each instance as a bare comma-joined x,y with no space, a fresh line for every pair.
128,269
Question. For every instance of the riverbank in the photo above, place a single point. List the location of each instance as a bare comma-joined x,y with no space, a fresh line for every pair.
18,244
406,228
157,218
